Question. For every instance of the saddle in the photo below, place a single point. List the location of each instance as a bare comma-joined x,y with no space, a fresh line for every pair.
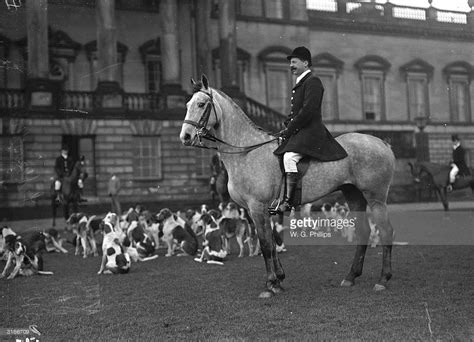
302,167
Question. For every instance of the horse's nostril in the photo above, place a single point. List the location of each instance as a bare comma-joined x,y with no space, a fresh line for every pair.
187,137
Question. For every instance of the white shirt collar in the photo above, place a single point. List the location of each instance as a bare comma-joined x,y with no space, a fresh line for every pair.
456,145
300,77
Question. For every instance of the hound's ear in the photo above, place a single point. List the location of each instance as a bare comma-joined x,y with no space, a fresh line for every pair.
193,82
205,81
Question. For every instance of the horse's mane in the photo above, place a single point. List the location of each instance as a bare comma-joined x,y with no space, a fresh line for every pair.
198,87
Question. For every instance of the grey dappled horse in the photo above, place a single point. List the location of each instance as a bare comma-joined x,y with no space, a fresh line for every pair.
364,177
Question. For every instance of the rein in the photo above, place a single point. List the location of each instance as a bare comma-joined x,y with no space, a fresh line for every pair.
203,131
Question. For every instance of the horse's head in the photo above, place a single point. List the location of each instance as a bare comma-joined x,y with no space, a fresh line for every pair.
201,116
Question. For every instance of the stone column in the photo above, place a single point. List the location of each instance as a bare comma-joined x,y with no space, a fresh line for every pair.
228,47
203,50
342,6
106,40
470,15
37,32
170,45
431,12
41,93
109,94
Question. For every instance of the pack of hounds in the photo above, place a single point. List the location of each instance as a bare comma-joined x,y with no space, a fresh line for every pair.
136,236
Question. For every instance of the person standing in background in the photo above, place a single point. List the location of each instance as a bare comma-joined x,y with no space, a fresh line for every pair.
114,190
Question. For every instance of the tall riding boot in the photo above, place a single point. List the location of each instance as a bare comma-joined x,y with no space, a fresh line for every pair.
58,196
291,179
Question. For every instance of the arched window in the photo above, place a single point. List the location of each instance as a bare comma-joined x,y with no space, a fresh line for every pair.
278,80
328,68
417,75
151,57
458,75
372,71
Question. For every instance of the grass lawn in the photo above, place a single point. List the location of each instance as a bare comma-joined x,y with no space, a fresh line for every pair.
177,298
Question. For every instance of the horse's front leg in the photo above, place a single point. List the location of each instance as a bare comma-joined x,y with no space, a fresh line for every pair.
275,273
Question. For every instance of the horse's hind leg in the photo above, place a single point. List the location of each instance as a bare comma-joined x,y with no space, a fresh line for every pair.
380,218
358,206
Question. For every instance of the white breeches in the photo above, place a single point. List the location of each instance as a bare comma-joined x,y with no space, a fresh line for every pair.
57,185
452,174
290,159
80,184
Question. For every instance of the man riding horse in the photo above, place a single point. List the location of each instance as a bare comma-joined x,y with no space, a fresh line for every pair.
458,164
63,167
305,134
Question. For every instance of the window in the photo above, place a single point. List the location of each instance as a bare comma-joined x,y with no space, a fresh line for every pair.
151,56
252,8
372,70
327,68
278,80
372,96
417,75
417,96
278,88
153,74
458,76
95,72
243,60
459,98
11,159
275,9
147,157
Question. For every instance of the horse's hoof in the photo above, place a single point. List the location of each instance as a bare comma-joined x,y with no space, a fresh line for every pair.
379,287
266,294
347,283
277,289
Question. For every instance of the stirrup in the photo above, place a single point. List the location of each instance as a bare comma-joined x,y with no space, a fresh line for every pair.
273,209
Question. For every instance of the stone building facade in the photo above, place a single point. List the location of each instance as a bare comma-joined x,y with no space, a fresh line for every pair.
111,78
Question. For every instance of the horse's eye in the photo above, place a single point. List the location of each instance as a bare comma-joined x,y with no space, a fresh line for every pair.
201,104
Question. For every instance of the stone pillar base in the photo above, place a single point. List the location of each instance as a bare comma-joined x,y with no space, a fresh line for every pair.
42,94
109,96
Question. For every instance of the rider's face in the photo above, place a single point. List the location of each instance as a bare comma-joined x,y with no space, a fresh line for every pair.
298,66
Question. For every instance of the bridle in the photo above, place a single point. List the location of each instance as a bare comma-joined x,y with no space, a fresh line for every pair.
202,132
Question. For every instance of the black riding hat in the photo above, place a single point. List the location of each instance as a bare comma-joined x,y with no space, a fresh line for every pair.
454,137
302,53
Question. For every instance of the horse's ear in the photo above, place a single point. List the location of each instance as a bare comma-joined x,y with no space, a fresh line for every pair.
193,82
205,81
